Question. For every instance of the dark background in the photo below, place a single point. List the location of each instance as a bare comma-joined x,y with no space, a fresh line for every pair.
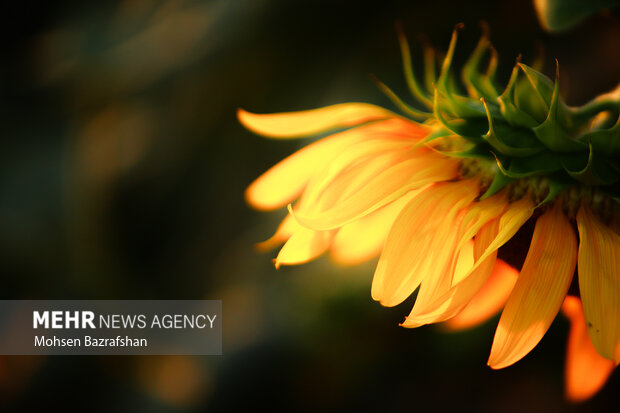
122,172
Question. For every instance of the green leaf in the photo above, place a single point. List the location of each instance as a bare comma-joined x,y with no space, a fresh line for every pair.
605,140
499,182
403,106
533,93
412,82
470,129
442,82
594,170
477,83
510,141
551,133
476,151
430,75
558,183
558,15
513,115
439,133
543,163
609,102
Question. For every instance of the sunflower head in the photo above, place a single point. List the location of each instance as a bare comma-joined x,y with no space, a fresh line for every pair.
438,192
524,136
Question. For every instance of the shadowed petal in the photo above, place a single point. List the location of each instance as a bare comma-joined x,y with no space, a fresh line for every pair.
599,282
586,370
488,300
539,291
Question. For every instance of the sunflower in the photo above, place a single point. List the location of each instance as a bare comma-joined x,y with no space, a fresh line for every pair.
487,199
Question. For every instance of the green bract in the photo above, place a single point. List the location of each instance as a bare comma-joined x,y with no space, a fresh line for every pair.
526,129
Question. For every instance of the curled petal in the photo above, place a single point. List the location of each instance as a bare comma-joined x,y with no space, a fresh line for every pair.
599,282
586,370
312,122
539,291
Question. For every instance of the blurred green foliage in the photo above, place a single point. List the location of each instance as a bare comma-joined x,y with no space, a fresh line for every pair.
559,15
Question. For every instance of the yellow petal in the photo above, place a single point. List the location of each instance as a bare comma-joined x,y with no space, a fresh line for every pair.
421,240
488,300
489,238
286,180
539,291
357,164
312,122
599,282
464,260
427,307
388,184
447,302
586,370
304,245
516,214
479,214
363,239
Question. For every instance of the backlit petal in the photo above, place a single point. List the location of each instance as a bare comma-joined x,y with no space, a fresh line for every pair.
283,182
488,300
416,245
599,282
388,184
312,122
540,289
363,239
586,370
303,246
286,180
355,166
